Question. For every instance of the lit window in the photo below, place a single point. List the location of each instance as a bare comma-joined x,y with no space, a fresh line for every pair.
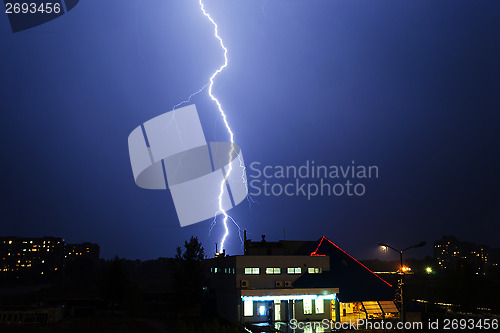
248,308
294,270
273,270
307,305
314,270
252,270
262,310
319,306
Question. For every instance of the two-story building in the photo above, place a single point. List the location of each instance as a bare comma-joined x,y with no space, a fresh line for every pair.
306,281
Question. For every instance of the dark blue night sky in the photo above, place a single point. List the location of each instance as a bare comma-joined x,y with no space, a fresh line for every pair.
412,87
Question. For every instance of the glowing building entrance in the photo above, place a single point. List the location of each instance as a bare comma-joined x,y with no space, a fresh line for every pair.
286,304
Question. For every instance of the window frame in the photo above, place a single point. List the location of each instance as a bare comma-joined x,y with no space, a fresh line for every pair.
273,270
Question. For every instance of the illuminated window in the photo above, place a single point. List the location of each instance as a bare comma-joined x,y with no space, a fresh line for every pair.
294,270
319,306
262,310
248,308
307,305
273,270
252,270
314,270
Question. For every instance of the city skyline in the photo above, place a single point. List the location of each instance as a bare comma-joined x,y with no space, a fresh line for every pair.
410,88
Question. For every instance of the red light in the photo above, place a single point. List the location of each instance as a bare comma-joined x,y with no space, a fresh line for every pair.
322,238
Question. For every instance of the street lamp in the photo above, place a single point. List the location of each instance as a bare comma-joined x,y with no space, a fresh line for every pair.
401,271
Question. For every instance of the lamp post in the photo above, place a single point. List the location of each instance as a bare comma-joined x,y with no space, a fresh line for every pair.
401,283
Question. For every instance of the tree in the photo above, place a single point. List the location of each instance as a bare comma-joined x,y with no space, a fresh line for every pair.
114,282
187,272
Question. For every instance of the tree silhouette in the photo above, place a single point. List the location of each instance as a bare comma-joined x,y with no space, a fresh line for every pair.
114,282
187,272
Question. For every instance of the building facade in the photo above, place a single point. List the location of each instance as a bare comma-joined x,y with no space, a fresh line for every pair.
34,258
285,280
85,250
22,257
452,254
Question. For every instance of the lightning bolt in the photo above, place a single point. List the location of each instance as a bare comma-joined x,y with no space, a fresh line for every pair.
190,96
228,128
